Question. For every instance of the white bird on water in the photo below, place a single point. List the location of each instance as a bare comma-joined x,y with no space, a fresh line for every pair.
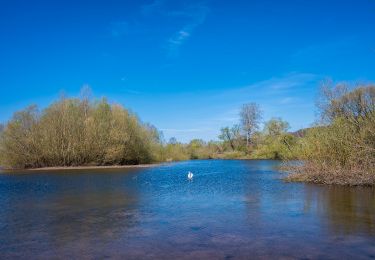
190,175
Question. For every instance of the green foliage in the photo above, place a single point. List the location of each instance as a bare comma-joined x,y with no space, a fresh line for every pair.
175,151
76,132
232,138
276,147
196,149
275,127
342,151
274,142
231,155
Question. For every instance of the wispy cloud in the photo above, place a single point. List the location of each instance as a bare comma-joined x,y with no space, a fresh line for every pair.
286,82
196,15
277,96
275,86
193,14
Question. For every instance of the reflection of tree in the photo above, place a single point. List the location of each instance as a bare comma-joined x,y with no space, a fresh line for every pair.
104,208
55,212
346,210
86,217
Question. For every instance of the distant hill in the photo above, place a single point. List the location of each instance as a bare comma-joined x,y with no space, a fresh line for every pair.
301,132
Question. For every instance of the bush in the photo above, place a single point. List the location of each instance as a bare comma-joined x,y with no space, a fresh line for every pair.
77,132
274,142
280,147
231,155
341,151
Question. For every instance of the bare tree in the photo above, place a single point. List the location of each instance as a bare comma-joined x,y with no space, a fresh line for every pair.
326,102
250,116
338,101
86,96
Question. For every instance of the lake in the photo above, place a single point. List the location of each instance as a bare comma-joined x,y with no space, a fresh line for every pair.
231,209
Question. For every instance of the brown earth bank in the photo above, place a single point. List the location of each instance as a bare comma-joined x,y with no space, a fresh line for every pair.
85,167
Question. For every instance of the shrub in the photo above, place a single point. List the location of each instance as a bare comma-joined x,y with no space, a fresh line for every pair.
342,149
76,132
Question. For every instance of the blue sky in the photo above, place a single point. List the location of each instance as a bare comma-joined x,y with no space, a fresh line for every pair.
185,66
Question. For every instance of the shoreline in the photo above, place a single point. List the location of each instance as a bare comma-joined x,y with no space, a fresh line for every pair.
83,167
94,167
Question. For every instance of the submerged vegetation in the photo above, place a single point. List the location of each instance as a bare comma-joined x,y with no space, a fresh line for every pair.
339,149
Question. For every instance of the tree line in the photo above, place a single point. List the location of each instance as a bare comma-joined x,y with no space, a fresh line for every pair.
81,131
338,149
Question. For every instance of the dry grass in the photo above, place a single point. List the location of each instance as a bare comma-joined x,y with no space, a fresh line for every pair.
331,175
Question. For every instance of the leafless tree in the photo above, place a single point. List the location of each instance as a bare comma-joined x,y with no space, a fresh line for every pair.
250,115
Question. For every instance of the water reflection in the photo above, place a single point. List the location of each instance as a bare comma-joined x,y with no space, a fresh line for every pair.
232,209
51,212
343,210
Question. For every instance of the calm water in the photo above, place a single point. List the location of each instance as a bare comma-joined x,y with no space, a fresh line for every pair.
230,210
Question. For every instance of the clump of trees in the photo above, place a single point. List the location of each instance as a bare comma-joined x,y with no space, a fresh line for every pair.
77,131
275,142
245,140
81,131
341,148
175,151
195,149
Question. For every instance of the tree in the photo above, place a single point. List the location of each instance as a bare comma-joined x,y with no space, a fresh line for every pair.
196,149
231,136
276,126
274,142
342,150
19,140
172,140
226,136
250,115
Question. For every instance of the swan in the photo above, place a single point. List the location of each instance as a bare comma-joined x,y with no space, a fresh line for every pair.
190,175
